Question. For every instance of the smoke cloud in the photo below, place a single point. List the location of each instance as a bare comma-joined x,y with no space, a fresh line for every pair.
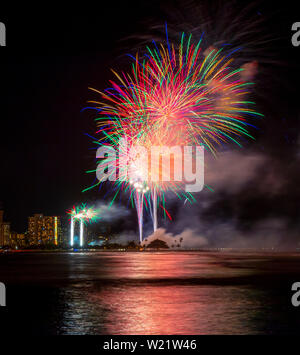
251,206
111,213
187,239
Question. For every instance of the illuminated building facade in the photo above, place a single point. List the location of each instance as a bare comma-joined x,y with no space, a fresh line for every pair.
44,230
4,231
17,240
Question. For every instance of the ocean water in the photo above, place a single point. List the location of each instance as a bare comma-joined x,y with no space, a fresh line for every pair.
149,293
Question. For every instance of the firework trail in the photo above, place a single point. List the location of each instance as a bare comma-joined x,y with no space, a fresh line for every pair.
83,215
173,96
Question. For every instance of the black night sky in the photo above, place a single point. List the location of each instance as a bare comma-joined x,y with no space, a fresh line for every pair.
53,56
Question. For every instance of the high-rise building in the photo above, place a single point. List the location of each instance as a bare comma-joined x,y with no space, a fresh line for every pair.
44,229
17,240
4,231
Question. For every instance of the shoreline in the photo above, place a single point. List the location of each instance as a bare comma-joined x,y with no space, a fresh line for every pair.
212,250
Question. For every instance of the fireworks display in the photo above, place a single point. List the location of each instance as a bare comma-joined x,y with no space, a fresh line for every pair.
83,215
87,214
174,95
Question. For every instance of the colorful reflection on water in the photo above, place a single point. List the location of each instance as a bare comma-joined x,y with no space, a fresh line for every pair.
153,293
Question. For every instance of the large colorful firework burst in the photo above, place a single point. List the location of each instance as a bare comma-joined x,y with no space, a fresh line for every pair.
173,96
84,213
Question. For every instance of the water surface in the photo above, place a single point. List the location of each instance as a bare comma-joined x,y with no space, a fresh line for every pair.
150,293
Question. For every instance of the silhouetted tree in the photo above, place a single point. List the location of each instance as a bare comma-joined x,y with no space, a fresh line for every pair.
131,245
158,244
